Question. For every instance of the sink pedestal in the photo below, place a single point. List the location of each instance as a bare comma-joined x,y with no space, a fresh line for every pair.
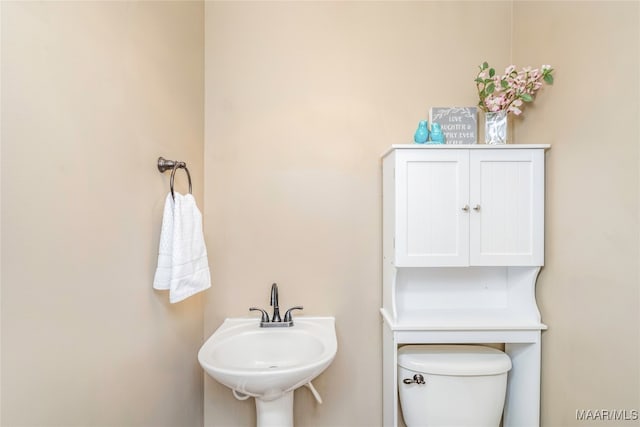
275,413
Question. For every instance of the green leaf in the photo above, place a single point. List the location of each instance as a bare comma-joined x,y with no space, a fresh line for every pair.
485,65
526,97
479,80
490,88
548,78
492,72
504,84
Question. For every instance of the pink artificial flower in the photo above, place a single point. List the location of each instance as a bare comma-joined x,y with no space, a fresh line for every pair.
514,110
510,87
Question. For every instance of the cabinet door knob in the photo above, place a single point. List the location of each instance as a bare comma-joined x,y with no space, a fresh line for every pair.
466,208
476,208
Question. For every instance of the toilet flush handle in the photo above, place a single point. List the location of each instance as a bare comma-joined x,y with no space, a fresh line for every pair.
417,379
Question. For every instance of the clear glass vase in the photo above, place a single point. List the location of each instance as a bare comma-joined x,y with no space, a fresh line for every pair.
495,127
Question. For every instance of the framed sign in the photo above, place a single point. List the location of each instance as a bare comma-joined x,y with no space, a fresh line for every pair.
459,124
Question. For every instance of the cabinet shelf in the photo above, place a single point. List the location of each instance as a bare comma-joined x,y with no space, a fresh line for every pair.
454,320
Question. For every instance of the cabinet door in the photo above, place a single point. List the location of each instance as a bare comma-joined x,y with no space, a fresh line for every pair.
507,207
432,222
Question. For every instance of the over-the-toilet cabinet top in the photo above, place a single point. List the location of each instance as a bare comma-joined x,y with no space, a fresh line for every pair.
464,205
465,147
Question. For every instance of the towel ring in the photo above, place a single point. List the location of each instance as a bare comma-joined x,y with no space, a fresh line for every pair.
176,166
164,165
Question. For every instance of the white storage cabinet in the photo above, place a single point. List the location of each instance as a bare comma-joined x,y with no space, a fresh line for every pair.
463,242
461,207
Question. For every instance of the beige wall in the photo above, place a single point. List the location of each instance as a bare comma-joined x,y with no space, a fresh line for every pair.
588,291
301,101
92,94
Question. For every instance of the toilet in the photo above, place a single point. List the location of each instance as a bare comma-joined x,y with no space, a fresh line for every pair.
452,385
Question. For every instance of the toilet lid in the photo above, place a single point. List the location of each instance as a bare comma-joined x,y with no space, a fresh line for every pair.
453,359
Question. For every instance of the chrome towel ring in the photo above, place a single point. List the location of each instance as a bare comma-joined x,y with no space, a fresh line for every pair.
164,165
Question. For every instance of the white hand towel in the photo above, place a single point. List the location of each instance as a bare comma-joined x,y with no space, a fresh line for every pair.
183,267
162,279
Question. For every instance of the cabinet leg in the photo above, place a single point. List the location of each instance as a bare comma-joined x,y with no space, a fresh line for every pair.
522,405
389,379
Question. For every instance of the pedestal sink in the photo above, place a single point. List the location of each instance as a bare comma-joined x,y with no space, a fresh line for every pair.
269,363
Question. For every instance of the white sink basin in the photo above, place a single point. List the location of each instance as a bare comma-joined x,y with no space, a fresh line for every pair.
267,363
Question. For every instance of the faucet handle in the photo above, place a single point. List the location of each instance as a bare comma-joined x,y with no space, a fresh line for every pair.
265,315
287,314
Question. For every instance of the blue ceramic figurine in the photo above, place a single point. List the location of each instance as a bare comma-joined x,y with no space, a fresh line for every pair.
422,133
437,137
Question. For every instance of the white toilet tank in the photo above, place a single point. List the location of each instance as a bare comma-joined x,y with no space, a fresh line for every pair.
464,385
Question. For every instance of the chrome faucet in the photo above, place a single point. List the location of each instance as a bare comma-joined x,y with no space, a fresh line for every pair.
274,304
276,320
